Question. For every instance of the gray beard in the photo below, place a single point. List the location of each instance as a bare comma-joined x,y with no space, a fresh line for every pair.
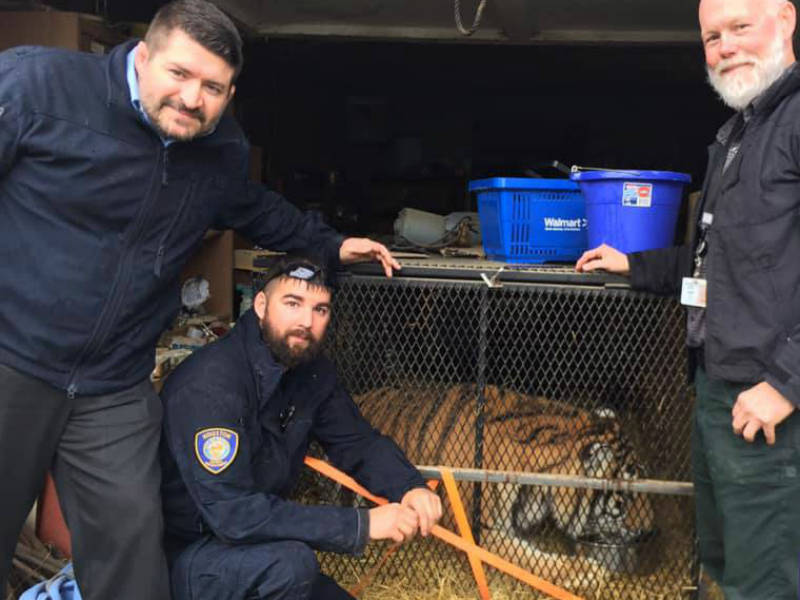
767,71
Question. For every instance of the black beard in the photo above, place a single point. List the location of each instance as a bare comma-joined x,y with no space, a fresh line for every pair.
285,355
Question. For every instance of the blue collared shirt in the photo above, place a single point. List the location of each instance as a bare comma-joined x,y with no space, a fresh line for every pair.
133,85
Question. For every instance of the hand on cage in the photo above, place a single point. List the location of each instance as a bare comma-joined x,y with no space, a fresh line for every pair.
392,522
603,257
761,407
427,506
364,249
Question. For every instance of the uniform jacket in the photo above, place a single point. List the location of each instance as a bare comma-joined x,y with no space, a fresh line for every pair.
237,385
753,313
97,218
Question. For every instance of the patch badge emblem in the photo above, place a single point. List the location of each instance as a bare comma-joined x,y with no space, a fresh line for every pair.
216,448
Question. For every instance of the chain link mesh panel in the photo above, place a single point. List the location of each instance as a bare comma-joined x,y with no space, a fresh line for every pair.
564,380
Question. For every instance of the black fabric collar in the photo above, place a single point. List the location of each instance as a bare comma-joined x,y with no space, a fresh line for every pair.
116,76
785,85
266,371
259,354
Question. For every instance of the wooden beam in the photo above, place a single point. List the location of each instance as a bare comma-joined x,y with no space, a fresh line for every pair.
515,19
246,13
483,35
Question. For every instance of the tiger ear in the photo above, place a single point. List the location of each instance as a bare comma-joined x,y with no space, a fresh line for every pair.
604,412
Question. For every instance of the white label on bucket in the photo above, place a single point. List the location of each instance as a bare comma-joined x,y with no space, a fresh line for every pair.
637,194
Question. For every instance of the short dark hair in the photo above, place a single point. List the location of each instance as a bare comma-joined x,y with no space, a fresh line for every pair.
205,24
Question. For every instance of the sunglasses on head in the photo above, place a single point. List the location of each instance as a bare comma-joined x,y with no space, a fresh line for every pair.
302,270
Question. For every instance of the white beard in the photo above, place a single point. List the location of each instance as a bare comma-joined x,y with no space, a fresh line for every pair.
740,88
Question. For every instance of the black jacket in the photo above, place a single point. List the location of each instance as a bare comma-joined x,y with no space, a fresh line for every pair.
97,218
753,313
236,384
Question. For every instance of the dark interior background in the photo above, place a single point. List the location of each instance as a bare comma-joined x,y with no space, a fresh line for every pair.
360,129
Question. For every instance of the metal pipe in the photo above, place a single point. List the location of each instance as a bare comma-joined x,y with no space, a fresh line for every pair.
646,486
480,419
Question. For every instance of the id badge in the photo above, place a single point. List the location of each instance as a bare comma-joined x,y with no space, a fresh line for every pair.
693,292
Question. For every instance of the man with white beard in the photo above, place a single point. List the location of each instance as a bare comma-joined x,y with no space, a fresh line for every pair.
740,282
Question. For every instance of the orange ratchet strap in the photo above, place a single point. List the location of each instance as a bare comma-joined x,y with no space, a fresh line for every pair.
448,536
365,580
465,531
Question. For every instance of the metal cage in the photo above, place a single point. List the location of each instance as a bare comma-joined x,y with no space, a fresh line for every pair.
529,370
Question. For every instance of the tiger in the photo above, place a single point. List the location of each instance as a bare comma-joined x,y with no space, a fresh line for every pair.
522,433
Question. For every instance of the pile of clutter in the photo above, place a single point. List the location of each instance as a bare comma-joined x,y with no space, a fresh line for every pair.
455,234
33,563
192,329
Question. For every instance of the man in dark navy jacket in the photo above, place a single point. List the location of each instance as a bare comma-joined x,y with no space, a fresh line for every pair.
111,170
238,419
740,281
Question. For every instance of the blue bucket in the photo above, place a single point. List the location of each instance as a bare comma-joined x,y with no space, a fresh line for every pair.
631,210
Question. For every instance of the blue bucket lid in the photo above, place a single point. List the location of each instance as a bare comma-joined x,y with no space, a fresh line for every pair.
521,183
624,174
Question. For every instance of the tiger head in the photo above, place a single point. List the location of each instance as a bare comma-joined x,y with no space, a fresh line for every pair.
588,445
614,516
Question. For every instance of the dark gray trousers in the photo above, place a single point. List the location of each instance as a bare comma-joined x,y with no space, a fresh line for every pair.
282,570
103,453
747,498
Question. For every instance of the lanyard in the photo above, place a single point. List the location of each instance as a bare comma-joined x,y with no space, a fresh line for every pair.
702,244
713,193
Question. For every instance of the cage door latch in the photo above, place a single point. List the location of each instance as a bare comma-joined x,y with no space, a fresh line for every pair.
494,280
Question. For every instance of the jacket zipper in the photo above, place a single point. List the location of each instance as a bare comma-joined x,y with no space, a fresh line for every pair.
708,349
163,241
164,175
114,300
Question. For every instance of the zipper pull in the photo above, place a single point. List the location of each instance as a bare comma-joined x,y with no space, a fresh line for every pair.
159,261
71,391
164,177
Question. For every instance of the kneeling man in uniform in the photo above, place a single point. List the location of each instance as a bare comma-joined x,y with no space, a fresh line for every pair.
238,419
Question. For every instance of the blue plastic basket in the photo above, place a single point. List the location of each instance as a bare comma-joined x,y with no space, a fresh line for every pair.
531,220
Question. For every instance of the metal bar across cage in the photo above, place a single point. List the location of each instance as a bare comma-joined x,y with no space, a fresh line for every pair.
647,486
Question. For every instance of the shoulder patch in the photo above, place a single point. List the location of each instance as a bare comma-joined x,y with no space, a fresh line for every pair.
216,448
